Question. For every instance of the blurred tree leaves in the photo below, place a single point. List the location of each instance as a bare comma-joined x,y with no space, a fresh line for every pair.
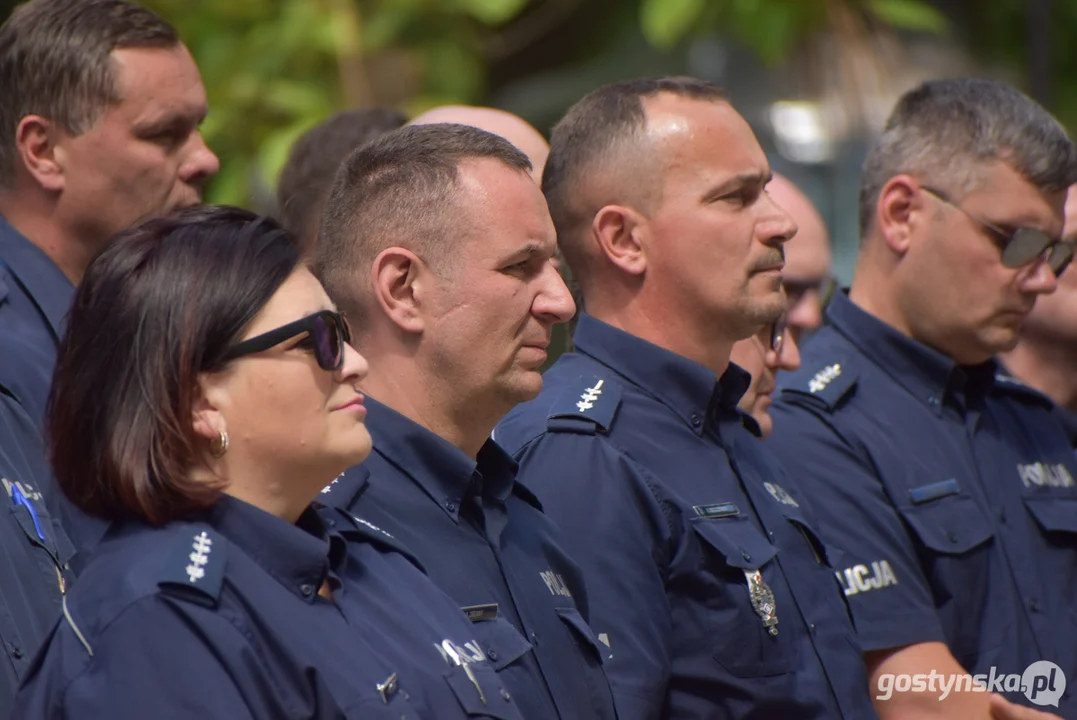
274,68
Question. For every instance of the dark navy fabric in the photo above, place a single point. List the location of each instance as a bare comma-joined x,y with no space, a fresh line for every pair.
33,555
1068,418
483,538
221,618
669,503
34,300
950,489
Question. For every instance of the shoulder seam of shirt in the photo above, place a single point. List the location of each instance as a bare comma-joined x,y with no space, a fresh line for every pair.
89,660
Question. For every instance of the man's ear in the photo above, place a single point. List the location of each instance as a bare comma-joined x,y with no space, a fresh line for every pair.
207,410
37,144
622,234
899,209
401,282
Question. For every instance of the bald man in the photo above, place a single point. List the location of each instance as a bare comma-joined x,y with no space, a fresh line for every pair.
806,276
1047,352
499,122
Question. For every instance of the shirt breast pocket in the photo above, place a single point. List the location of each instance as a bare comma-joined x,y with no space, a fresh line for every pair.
951,525
731,548
1056,516
500,641
481,694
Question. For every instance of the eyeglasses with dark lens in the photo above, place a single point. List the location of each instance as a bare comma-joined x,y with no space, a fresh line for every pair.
777,334
327,334
1021,246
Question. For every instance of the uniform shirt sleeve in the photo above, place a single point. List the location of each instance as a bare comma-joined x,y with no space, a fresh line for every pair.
150,662
889,598
614,528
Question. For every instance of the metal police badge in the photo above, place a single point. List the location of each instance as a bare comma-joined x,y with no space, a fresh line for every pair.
762,600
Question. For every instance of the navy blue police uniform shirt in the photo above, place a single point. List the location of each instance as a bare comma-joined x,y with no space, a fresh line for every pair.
950,489
708,584
222,618
34,300
483,539
34,552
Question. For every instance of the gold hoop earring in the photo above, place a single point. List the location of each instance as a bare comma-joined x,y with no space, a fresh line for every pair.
218,446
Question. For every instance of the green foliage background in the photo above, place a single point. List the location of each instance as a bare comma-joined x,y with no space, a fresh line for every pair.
273,68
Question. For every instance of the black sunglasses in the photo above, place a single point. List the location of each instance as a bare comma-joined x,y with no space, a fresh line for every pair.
1021,246
327,334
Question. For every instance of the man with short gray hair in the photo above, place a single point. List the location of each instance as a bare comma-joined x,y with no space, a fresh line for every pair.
948,485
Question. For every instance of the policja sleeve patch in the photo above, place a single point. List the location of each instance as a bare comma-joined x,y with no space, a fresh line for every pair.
585,406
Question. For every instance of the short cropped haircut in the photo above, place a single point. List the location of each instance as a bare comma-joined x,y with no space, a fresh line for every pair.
314,159
55,62
401,190
159,306
603,134
944,131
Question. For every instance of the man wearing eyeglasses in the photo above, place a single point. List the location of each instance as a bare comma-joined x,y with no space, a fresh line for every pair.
948,486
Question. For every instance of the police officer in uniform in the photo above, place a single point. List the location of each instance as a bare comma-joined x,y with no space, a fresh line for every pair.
949,485
204,435
710,588
437,241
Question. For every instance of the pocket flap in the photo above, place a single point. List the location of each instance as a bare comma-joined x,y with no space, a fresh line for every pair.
951,525
737,540
580,629
502,643
1054,514
486,697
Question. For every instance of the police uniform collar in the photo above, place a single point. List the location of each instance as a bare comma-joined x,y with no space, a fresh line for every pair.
298,556
689,389
445,472
43,281
924,372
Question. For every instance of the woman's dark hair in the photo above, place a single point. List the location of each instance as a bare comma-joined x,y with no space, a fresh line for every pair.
159,306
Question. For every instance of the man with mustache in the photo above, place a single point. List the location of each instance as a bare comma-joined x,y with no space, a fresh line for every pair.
708,584
948,485
101,108
436,242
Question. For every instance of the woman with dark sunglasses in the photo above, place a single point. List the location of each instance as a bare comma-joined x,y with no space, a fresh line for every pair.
205,393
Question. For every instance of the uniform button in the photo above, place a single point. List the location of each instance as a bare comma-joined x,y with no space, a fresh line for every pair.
1033,605
744,554
696,420
16,653
505,694
811,628
492,654
451,507
307,589
951,537
932,400
331,523
1002,516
